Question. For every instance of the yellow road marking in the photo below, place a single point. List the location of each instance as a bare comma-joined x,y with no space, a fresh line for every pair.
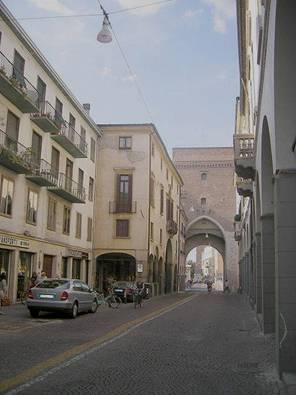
31,373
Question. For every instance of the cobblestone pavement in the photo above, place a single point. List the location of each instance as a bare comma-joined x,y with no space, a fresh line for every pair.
209,345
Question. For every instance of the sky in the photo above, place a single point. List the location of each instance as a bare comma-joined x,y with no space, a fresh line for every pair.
183,54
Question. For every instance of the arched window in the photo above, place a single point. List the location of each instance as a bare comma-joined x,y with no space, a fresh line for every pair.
204,176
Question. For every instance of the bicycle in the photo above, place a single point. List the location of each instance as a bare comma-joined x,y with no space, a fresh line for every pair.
111,300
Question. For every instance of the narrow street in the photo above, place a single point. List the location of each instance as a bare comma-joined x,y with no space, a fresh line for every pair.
194,343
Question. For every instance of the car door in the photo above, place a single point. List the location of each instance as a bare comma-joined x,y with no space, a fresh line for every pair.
79,294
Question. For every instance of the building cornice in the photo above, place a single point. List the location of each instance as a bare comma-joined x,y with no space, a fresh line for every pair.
11,21
204,164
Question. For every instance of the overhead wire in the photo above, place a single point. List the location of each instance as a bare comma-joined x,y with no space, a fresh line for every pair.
133,75
95,14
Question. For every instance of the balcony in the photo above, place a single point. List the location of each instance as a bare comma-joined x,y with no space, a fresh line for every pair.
172,227
68,189
244,155
47,118
14,155
43,174
68,138
244,187
16,88
237,229
122,207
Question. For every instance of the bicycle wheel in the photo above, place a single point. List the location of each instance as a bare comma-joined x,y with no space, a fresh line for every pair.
114,301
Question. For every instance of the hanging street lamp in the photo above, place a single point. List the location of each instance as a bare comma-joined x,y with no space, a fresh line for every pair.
105,35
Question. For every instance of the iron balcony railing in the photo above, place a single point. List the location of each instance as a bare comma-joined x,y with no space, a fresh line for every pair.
43,173
70,134
14,155
71,187
48,113
122,207
18,81
172,227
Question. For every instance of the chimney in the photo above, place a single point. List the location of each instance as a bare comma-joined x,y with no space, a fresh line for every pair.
86,107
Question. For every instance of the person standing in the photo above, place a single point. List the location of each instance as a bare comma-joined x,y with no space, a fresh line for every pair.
3,288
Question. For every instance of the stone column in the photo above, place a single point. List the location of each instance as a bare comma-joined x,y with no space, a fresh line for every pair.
82,269
268,273
69,267
258,289
285,261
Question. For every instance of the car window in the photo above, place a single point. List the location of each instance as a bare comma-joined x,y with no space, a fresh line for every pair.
53,284
77,286
84,287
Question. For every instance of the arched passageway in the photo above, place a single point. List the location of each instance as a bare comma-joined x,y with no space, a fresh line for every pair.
168,267
205,231
114,267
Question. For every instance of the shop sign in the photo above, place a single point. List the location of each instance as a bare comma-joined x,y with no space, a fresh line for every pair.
140,267
13,242
74,253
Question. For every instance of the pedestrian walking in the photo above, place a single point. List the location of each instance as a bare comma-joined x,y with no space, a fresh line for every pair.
33,280
3,289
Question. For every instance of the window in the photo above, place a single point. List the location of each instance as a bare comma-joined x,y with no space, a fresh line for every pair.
204,176
64,267
122,228
124,193
153,149
7,187
55,162
151,230
32,207
72,122
169,209
91,189
203,201
12,130
58,110
160,236
125,142
152,200
80,180
36,147
92,149
19,68
167,174
41,88
161,164
83,139
66,220
78,225
76,269
161,200
51,214
89,229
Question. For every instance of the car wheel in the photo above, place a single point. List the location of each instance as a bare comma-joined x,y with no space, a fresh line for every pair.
94,307
74,310
34,313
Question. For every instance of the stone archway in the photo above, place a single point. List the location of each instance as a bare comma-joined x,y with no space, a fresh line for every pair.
150,268
155,266
168,268
205,231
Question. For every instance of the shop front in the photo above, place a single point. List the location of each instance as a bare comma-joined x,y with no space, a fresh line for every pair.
24,272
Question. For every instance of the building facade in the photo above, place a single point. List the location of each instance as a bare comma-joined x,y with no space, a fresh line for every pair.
264,146
48,146
209,201
137,212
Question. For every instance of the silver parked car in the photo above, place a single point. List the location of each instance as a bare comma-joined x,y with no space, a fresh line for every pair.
61,294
